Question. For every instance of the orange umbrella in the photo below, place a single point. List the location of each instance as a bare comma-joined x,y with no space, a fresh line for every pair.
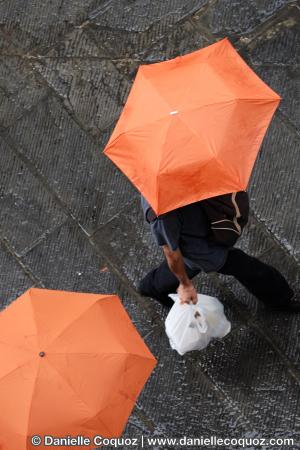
72,364
192,127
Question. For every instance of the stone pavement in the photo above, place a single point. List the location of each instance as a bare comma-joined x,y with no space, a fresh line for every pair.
70,220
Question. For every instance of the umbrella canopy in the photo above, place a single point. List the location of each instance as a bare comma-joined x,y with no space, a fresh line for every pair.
71,364
192,127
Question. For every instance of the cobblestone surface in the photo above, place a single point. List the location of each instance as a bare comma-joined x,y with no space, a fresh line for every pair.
70,220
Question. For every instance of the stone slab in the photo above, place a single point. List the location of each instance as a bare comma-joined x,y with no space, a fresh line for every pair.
235,17
285,80
19,89
66,260
91,86
13,279
183,39
140,15
275,57
72,163
27,209
35,25
279,44
249,372
161,41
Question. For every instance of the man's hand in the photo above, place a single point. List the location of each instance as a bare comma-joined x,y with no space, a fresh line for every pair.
187,293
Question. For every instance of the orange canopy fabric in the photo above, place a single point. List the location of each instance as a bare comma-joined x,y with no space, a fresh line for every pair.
71,364
192,127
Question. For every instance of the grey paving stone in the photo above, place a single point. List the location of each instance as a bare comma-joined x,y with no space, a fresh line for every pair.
183,39
139,15
73,164
280,44
124,44
92,89
166,40
27,210
32,24
285,81
236,17
128,242
66,260
76,44
19,90
275,57
248,371
184,402
274,185
13,280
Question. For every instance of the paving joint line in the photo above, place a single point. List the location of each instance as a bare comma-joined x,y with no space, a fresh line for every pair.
37,173
20,263
287,121
278,20
122,209
53,93
41,238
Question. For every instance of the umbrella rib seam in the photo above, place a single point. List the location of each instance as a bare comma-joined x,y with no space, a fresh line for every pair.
30,409
75,320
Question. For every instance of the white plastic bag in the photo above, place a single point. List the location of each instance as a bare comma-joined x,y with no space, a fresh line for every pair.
191,327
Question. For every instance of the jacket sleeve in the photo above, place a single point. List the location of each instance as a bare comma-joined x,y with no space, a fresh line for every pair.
166,230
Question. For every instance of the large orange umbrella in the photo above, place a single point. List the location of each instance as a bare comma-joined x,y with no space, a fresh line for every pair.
192,127
71,364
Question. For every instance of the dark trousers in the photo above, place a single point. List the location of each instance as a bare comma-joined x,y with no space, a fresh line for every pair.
262,280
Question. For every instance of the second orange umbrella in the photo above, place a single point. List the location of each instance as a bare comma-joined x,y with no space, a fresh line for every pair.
72,364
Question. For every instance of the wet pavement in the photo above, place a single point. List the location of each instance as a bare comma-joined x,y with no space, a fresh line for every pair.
70,220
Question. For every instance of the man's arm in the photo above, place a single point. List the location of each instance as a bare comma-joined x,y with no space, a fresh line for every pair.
186,289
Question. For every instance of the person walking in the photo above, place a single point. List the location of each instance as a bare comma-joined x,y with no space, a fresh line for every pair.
185,237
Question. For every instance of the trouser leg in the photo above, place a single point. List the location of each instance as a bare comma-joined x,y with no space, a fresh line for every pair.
262,280
160,282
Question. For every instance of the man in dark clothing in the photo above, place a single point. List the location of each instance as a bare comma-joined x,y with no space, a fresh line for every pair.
183,234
